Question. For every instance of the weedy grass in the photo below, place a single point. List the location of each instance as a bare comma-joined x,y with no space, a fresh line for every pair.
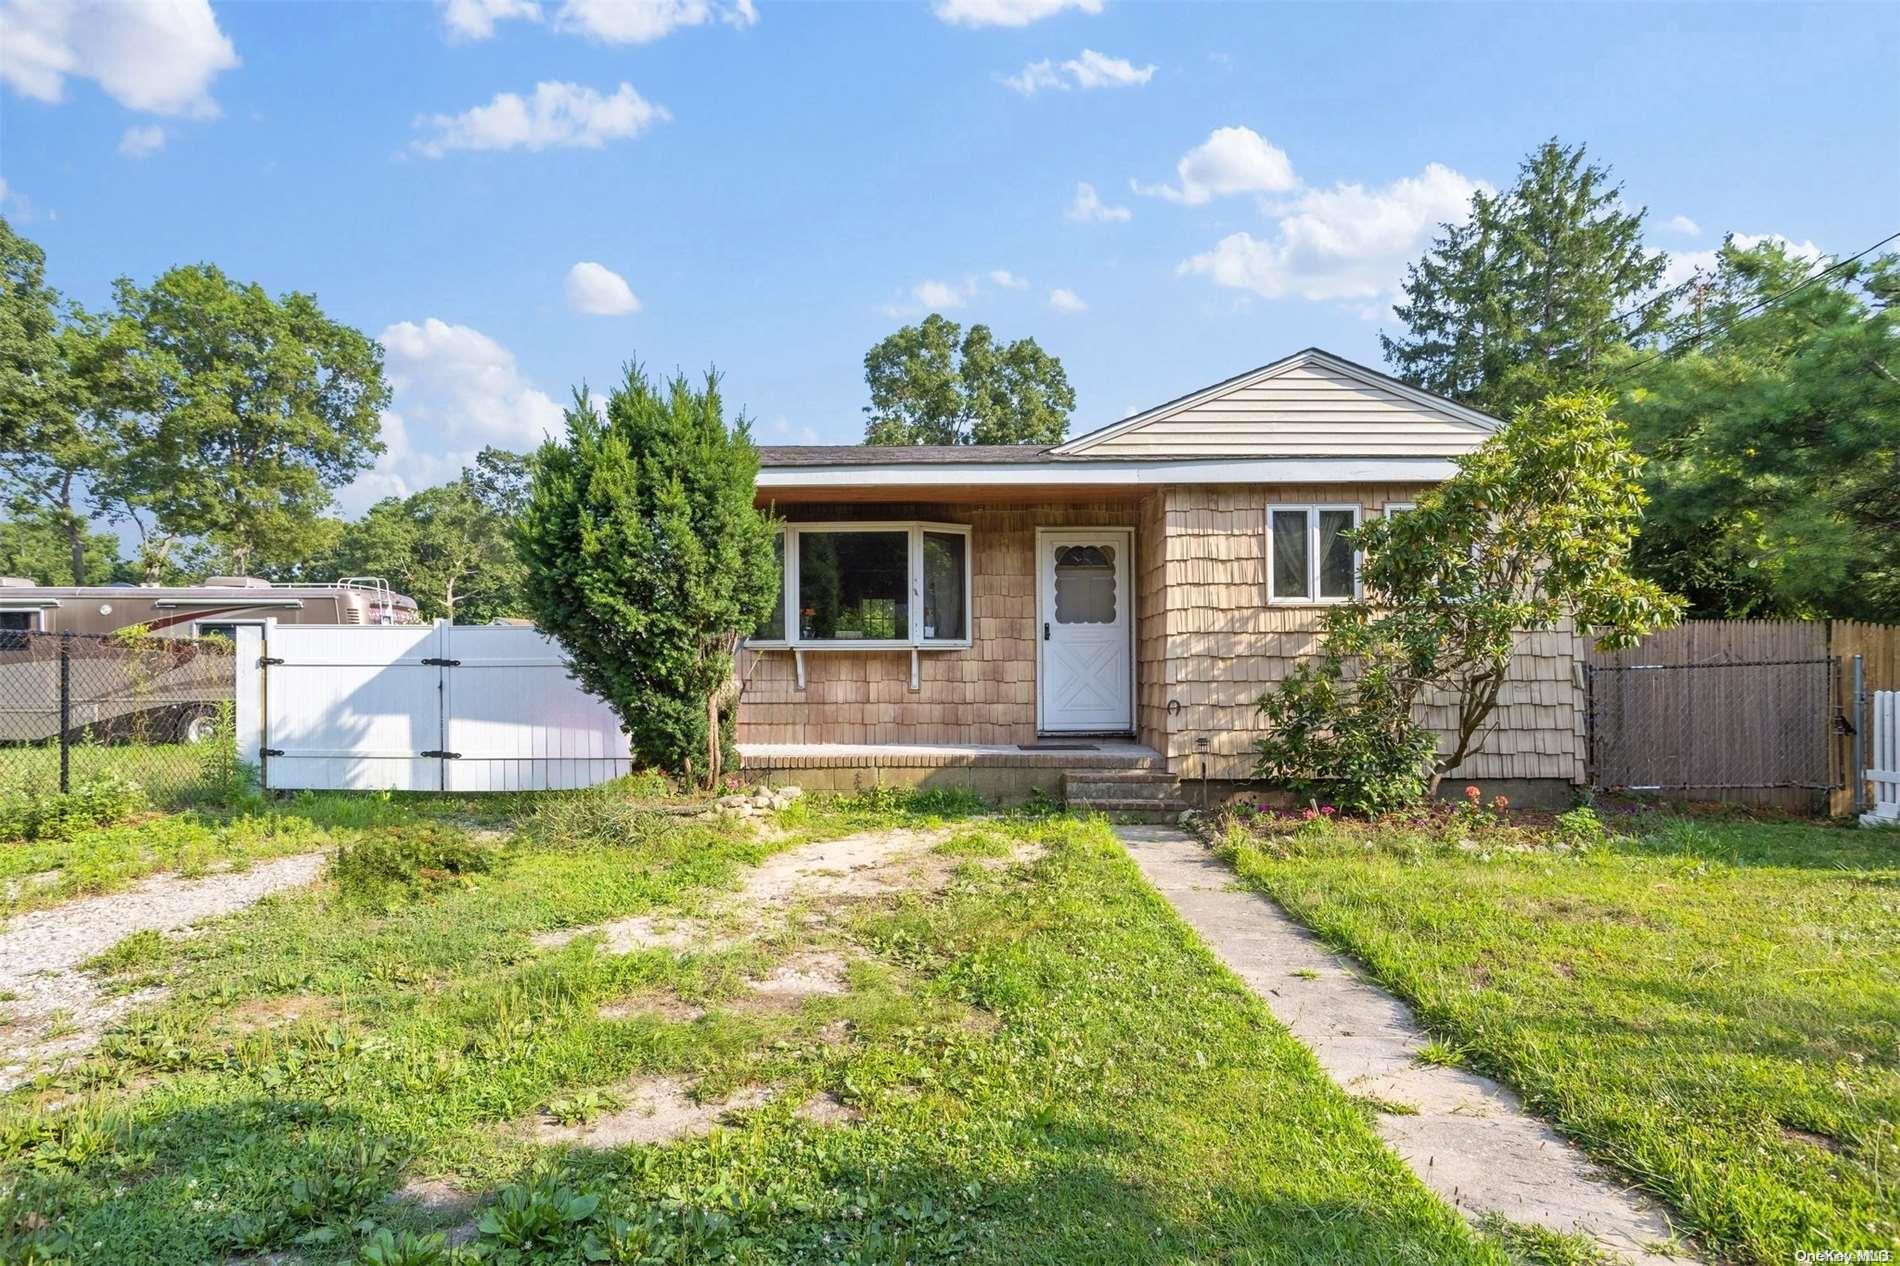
1040,1063
1710,1006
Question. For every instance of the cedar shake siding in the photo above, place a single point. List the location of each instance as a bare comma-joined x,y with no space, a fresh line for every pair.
1225,644
1205,638
985,694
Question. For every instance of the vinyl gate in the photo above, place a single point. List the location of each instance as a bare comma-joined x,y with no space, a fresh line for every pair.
1884,760
420,708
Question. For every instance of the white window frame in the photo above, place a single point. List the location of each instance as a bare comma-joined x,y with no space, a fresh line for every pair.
915,528
1398,507
1312,511
37,611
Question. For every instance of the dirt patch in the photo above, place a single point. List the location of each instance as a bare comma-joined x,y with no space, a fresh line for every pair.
1808,1138
876,863
659,1110
660,1006
825,1108
814,974
58,1010
272,1013
625,936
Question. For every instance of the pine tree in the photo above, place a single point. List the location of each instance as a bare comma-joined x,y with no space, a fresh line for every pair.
1517,302
647,560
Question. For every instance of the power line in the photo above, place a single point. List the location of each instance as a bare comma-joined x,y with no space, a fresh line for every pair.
1759,305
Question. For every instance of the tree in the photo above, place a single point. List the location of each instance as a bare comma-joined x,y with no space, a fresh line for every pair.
260,408
646,558
1772,431
1517,302
34,543
64,377
1532,532
445,547
933,384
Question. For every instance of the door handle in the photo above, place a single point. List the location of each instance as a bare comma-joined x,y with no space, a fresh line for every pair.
1045,630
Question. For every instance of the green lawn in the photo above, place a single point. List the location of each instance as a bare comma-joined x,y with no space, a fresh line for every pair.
1711,1006
1048,1066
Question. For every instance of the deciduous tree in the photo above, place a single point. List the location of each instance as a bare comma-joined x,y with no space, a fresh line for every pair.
261,407
932,383
1534,531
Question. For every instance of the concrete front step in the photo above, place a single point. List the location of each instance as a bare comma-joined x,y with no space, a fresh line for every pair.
1153,812
1121,789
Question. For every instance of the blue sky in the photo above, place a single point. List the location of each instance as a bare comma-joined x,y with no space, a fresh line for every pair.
779,186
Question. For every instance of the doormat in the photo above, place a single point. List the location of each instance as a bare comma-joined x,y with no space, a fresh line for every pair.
1057,747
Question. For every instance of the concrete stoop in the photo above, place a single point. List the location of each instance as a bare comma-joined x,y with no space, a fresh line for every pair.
1125,795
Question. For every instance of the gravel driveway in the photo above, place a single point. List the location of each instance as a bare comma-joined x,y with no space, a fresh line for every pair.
53,1009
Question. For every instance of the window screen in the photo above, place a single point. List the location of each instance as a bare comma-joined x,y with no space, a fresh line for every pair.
1085,584
1290,557
1335,554
18,621
944,599
854,586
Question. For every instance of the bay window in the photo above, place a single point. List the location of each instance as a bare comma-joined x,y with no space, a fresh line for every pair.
1309,558
869,585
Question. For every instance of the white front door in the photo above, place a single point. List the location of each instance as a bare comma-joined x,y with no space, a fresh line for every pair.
1086,620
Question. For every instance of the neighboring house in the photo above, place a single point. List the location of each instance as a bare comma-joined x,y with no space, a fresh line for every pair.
1147,580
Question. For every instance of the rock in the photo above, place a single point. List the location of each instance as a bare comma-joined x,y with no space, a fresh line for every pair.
791,793
1185,818
731,802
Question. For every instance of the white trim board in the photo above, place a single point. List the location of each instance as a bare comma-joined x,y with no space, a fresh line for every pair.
1272,470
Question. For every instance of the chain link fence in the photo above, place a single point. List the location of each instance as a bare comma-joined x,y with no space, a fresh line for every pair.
155,711
1744,725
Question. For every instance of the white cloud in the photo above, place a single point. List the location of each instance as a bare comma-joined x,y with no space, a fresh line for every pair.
643,21
1007,279
606,21
156,57
1684,225
1088,207
1033,78
464,387
1066,301
938,294
558,115
1091,69
1344,243
1088,70
142,142
1007,12
597,290
1231,160
401,469
475,19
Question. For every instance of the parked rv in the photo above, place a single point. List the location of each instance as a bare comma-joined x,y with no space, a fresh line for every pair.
214,608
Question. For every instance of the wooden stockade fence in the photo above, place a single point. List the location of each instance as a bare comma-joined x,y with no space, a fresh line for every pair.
1749,711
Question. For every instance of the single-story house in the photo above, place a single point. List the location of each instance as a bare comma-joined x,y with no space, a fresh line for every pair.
952,613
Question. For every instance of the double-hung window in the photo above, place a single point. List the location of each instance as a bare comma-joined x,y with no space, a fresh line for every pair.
869,585
1309,558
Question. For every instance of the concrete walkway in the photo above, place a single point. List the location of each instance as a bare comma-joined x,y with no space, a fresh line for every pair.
1472,1141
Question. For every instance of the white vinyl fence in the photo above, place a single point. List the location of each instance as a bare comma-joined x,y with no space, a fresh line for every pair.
418,707
1883,760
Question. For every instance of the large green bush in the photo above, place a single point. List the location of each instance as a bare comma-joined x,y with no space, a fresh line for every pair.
648,561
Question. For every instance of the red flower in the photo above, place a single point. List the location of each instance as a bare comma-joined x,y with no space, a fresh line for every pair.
1472,794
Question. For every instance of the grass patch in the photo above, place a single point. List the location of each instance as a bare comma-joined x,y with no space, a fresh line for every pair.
1710,1006
1040,1064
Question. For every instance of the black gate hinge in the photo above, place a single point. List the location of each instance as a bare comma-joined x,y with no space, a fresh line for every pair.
445,755
271,751
266,661
443,663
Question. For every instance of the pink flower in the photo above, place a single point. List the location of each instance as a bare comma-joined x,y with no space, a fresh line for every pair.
1328,810
1473,794
1307,815
1501,804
